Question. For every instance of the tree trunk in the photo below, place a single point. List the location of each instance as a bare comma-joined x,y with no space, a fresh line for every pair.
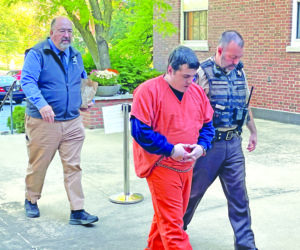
87,37
103,54
101,29
97,45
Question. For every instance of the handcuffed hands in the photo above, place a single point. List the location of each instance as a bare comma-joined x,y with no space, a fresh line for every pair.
178,152
196,152
186,152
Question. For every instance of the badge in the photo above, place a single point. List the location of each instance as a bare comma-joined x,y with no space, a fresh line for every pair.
218,106
74,60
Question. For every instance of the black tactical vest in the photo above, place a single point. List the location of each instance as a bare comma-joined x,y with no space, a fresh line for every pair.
227,93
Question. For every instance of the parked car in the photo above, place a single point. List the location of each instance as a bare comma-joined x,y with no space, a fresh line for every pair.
15,73
5,83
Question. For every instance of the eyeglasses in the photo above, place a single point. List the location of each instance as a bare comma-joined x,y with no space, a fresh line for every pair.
63,31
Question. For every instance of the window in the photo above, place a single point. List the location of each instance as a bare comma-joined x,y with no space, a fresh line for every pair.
295,39
194,24
195,27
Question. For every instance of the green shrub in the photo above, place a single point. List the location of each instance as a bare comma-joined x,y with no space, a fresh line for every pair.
18,119
131,72
88,62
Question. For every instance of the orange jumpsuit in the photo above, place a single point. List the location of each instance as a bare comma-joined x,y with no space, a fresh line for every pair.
169,181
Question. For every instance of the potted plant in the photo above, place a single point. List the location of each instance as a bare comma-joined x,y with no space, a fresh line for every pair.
107,81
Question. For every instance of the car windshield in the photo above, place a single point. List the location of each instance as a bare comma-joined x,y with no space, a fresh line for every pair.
12,72
6,80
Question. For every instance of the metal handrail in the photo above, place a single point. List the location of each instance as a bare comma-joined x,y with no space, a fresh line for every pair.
8,94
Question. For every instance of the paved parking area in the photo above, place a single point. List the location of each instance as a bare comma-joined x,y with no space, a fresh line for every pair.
273,174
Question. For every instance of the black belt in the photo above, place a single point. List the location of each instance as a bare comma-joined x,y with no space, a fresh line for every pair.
225,135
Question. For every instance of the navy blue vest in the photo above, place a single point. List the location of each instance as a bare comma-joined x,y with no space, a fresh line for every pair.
227,93
59,88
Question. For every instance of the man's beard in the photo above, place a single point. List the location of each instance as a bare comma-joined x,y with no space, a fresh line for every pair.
226,68
64,46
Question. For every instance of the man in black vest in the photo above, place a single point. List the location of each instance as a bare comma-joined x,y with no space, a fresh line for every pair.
51,80
223,79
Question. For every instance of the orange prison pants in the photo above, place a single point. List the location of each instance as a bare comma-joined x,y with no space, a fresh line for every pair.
43,139
170,192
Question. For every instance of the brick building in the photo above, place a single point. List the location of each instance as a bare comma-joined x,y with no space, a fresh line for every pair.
271,30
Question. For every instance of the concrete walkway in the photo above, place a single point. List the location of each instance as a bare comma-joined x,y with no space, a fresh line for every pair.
273,180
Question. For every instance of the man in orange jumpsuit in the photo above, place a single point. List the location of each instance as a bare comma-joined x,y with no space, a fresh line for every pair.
171,126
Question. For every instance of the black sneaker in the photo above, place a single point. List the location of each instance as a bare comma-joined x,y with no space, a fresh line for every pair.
81,217
32,210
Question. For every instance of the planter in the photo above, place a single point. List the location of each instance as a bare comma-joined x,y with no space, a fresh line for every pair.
108,90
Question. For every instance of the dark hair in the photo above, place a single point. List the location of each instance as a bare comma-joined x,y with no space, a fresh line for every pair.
183,55
231,35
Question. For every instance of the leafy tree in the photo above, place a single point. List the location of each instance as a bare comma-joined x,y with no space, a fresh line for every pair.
132,43
137,35
93,19
18,29
90,17
8,36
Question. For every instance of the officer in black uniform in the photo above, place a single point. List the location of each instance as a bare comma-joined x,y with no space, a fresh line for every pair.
224,81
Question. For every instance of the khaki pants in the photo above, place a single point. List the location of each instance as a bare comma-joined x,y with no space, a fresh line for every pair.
43,139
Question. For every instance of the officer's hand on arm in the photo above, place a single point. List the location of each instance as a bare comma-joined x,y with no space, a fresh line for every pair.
178,152
47,114
196,152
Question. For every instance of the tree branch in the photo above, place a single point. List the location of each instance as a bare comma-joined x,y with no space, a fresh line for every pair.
86,35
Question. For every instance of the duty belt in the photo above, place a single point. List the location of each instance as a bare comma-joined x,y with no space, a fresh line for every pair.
225,135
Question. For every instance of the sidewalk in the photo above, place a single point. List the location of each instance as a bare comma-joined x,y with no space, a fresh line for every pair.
273,181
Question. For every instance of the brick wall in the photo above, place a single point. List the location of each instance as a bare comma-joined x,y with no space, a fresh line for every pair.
94,117
266,28
163,46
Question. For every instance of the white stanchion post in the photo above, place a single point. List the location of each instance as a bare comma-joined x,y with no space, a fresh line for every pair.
127,197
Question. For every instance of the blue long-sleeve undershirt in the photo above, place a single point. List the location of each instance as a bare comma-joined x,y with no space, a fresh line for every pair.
206,134
155,143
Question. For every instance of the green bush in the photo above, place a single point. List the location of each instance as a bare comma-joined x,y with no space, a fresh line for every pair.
88,62
18,119
132,72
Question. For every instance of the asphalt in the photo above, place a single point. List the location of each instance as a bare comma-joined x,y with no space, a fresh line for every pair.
273,174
